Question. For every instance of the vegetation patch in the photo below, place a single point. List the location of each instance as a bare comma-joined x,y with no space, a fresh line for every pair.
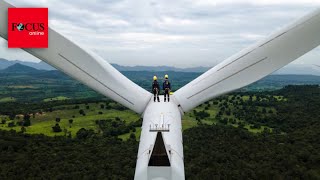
59,98
7,99
245,135
22,87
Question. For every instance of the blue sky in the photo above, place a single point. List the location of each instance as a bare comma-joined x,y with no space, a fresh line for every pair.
181,33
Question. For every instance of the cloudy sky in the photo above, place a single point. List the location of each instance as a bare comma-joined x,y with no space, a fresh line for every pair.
181,33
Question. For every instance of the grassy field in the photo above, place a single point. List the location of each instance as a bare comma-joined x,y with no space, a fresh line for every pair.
58,98
42,123
22,87
7,99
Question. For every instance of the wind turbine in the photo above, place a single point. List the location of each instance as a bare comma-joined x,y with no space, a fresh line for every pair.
160,154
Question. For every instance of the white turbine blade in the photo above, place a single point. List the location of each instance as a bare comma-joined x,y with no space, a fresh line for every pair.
253,63
317,65
86,67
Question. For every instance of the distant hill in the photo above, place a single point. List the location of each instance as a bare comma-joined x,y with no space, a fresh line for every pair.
159,68
19,68
274,81
299,69
5,63
44,66
21,78
40,65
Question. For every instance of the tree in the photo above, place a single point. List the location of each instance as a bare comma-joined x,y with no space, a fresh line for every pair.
202,115
23,129
12,116
264,111
81,111
228,112
26,120
70,122
132,136
11,124
224,121
57,128
84,133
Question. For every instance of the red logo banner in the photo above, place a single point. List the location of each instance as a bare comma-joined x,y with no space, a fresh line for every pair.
28,27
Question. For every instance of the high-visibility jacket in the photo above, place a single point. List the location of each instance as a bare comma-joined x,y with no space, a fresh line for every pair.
166,85
155,85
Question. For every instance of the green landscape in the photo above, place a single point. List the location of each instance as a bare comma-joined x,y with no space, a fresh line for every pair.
26,84
52,127
72,117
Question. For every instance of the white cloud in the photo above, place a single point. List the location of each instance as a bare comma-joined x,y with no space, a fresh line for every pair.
181,32
172,21
206,2
256,2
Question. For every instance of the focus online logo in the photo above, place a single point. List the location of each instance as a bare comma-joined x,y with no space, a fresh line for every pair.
28,27
32,28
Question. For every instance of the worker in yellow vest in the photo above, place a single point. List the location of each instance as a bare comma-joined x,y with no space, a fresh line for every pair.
167,88
155,89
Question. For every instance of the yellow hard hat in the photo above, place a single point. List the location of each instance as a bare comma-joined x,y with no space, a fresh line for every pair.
155,78
166,76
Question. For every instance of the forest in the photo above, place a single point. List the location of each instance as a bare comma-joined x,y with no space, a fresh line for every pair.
243,135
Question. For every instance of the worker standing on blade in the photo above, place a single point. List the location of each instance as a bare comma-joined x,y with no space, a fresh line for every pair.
166,88
155,89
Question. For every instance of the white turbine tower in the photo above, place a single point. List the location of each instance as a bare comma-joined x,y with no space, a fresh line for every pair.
160,153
